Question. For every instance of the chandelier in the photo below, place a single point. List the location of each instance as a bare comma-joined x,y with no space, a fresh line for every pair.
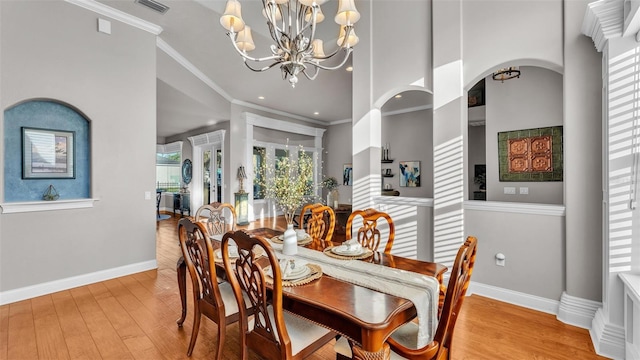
292,26
506,74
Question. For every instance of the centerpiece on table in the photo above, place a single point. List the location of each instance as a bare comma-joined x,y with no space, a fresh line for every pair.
288,184
333,197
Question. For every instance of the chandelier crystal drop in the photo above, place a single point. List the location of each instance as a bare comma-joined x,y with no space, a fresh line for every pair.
292,26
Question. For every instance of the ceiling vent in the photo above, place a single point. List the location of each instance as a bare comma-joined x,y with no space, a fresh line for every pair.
154,5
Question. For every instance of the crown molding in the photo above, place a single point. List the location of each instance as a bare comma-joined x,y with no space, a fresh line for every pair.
603,20
175,55
338,122
115,14
278,112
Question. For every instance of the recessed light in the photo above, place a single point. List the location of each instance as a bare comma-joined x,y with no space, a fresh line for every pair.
349,68
316,113
398,96
260,97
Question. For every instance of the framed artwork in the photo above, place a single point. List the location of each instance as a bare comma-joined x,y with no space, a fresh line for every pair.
410,173
531,154
48,154
347,175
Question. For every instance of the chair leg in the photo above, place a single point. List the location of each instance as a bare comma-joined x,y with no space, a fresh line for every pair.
181,270
196,328
221,336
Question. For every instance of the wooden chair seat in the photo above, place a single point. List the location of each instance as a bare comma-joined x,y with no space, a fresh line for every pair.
403,341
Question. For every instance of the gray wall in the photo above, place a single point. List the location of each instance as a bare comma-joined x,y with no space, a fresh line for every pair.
52,50
337,152
532,101
410,138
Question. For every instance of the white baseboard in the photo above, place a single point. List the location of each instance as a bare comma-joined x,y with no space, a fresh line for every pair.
514,297
577,311
28,292
608,339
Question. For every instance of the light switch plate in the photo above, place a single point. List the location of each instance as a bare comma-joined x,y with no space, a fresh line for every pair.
104,26
509,190
524,191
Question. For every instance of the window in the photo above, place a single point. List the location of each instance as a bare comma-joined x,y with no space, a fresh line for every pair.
168,167
270,154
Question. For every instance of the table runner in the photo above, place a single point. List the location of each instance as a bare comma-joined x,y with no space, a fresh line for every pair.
421,290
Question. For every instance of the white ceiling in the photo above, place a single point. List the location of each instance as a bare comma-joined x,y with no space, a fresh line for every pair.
192,28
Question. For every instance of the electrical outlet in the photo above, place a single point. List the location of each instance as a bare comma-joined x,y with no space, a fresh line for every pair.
509,190
524,191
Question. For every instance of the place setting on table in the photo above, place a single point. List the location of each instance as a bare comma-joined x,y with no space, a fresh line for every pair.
302,238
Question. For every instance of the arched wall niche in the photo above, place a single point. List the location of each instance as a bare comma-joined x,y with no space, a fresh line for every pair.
407,136
533,101
47,115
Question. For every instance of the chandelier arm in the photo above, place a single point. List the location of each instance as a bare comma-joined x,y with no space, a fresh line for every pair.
275,31
260,69
310,24
315,74
344,61
332,54
245,55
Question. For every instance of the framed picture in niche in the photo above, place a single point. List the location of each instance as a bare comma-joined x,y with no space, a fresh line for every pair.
410,173
48,154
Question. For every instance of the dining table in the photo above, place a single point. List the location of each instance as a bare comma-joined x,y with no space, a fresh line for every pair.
364,315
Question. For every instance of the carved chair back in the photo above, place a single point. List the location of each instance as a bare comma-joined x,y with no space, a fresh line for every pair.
215,220
368,234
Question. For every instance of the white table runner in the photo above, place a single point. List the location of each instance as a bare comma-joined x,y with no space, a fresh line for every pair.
420,289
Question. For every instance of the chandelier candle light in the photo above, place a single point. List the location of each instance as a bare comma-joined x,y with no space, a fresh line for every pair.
292,26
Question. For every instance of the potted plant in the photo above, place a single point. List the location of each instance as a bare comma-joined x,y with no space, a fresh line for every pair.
331,184
288,184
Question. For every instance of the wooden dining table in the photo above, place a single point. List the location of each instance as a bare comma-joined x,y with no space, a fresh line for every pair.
365,316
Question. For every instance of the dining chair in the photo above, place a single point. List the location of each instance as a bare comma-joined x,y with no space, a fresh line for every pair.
368,234
213,300
215,220
321,223
212,216
271,333
402,342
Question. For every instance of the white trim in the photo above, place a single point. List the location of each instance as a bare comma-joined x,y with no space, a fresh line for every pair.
338,122
169,148
281,125
175,55
118,15
407,110
577,311
278,112
514,297
515,208
31,206
28,292
608,339
408,201
602,21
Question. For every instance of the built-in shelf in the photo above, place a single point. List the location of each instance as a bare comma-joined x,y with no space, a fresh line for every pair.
386,161
31,206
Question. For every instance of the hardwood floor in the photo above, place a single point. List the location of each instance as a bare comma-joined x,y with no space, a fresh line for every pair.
133,317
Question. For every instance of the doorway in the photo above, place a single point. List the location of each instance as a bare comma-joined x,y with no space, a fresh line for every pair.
208,165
